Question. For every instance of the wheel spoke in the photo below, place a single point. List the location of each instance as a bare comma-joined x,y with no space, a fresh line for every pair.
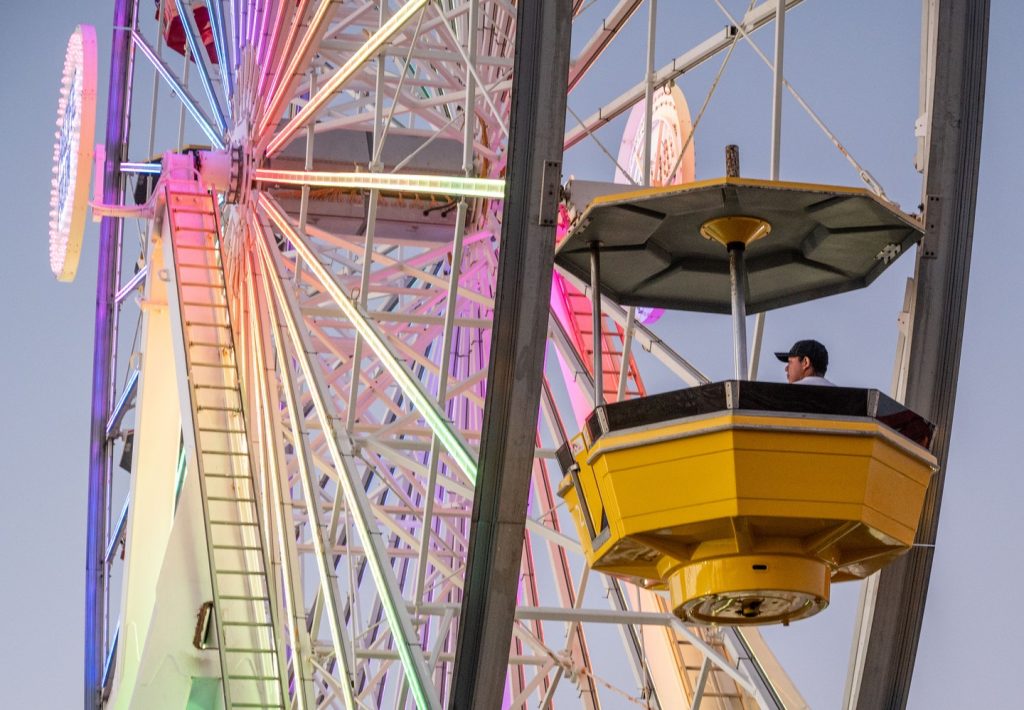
387,31
189,102
199,55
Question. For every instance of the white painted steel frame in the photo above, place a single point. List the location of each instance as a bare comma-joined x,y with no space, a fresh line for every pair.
426,308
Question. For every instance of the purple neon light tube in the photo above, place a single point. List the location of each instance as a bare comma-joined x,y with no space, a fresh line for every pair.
106,287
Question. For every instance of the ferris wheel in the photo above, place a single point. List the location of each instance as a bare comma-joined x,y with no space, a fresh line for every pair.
338,370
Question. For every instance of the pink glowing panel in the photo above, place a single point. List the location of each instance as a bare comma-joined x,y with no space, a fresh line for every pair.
672,163
647,316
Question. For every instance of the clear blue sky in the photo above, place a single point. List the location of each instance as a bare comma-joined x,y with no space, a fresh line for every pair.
968,646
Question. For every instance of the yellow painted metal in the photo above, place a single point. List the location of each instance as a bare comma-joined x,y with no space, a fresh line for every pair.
647,192
736,229
735,509
750,589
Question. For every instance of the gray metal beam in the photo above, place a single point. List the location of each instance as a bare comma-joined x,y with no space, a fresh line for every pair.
754,20
889,646
515,370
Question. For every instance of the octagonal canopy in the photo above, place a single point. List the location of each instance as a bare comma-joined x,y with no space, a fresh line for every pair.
824,240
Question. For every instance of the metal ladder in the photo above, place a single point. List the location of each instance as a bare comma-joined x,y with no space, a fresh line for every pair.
247,632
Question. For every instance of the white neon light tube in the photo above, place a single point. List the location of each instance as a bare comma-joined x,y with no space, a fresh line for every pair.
451,185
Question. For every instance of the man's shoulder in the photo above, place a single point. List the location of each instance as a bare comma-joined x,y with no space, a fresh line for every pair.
816,380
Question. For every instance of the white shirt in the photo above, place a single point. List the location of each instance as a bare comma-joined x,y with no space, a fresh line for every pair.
815,380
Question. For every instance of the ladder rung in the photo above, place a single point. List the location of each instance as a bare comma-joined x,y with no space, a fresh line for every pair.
223,499
196,239
204,344
184,209
205,324
252,677
204,305
256,705
200,267
217,452
223,475
200,284
234,523
242,598
204,408
250,650
221,431
211,364
261,624
231,388
242,573
237,547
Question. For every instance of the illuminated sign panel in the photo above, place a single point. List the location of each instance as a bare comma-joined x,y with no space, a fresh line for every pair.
670,132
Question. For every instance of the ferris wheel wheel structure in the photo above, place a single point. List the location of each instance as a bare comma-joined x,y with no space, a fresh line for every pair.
355,362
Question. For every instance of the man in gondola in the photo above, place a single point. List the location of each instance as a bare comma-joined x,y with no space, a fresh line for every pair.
806,363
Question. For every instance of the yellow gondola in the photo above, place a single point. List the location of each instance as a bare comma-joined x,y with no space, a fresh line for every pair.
746,499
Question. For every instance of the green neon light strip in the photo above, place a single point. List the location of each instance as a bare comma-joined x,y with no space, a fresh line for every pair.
416,672
411,387
369,48
388,182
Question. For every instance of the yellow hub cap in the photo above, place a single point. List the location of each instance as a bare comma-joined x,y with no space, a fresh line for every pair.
750,589
732,230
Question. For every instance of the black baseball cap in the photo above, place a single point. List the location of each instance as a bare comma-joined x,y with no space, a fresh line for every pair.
810,349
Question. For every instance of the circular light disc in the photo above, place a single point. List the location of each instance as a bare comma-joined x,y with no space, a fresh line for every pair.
73,152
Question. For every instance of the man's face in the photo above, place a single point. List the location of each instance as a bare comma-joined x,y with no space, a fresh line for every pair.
798,368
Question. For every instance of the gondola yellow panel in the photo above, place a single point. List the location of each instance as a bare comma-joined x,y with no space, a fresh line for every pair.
746,500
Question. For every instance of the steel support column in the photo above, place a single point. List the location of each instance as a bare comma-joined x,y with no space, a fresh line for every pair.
515,370
103,353
887,645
